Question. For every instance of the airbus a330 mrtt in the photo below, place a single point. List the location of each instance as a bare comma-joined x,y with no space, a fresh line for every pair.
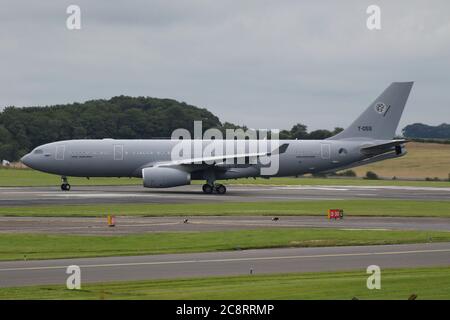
368,139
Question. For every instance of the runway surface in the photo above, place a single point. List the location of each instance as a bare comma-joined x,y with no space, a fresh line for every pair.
23,196
136,225
329,259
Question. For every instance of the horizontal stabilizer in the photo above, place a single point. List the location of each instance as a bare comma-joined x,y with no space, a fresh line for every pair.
383,147
375,158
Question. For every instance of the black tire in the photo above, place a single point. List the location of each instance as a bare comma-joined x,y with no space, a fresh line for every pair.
208,189
65,187
221,189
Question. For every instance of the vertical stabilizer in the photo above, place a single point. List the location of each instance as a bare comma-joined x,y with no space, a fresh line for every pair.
380,120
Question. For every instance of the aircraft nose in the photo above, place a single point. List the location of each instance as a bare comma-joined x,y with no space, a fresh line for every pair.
25,159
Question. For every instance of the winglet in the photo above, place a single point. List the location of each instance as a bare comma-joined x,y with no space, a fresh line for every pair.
281,149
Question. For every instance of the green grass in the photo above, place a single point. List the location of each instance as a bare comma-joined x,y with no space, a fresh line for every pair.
398,208
291,181
399,284
10,177
27,177
423,160
42,246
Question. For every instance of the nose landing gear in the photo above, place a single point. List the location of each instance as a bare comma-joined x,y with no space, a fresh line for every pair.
65,186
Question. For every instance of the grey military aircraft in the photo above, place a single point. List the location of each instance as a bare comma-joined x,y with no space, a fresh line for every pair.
370,138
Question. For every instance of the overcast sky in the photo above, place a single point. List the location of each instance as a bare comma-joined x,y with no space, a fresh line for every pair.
266,64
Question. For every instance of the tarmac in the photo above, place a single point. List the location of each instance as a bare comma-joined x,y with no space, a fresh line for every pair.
227,263
25,196
140,225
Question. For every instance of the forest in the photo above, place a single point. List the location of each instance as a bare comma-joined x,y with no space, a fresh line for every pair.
124,117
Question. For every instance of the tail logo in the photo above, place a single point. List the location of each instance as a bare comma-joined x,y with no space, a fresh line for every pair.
380,107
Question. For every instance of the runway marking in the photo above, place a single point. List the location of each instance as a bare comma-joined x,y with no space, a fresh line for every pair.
305,186
230,260
252,224
365,229
91,227
293,224
299,197
313,188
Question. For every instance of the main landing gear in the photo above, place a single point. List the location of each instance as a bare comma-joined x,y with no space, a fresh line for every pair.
210,188
65,186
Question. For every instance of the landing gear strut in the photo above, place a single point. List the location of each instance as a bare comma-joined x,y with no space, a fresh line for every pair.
218,188
65,186
210,186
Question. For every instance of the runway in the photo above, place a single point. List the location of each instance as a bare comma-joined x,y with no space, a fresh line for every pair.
24,196
263,261
139,225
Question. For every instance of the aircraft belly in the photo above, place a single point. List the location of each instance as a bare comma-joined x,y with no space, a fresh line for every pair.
96,168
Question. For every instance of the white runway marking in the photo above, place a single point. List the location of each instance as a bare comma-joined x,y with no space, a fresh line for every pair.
271,224
445,189
299,198
365,229
124,195
97,227
101,195
312,188
231,260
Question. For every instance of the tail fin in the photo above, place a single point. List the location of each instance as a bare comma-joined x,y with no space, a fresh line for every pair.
380,120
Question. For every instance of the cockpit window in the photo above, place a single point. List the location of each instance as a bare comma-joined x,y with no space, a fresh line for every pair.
38,151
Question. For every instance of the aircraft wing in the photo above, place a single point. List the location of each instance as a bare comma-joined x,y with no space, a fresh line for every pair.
214,160
383,147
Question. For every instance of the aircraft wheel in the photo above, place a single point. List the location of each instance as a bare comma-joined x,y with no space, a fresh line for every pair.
207,188
65,187
220,189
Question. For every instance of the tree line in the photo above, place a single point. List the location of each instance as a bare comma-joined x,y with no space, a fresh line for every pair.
121,117
423,131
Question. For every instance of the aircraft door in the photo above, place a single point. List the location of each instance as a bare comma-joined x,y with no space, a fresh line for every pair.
325,151
59,154
118,152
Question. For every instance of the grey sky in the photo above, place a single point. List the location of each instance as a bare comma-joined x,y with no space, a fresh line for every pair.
267,64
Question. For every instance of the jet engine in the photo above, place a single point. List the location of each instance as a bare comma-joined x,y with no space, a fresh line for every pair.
161,177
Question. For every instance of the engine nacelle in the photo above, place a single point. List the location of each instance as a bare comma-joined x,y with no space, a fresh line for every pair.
161,177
